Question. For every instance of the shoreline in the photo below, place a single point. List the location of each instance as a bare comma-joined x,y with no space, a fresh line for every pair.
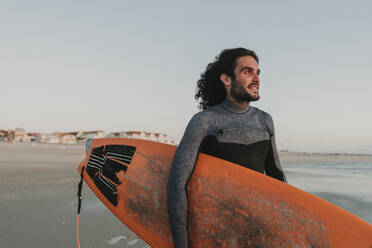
285,156
280,152
302,157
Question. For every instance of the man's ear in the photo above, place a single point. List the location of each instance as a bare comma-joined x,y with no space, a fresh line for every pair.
225,79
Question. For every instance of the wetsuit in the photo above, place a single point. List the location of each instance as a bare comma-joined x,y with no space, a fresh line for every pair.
241,135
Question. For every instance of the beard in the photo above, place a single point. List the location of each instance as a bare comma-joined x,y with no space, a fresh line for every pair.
241,94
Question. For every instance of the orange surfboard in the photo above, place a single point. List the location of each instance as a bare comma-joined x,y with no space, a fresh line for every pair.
229,205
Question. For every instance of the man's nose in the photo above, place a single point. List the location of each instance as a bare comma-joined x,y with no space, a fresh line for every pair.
256,78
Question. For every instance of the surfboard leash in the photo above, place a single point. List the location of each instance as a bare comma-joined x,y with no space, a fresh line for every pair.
80,188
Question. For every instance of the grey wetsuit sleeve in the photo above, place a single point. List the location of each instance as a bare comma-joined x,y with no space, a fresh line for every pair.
181,170
272,164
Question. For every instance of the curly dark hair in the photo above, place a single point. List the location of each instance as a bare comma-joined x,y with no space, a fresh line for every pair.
210,90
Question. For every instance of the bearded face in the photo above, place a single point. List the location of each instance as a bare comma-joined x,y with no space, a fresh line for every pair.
246,81
241,94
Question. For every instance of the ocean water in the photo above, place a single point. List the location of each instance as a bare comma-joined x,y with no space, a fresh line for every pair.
347,185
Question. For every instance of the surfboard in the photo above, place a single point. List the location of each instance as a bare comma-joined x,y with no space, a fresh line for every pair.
229,205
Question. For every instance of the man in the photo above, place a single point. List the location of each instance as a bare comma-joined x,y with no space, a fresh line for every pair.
228,128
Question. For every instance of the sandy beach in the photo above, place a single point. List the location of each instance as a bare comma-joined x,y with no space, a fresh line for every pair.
38,200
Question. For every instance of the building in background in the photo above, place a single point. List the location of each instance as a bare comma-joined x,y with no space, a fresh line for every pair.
17,135
82,136
78,137
158,137
3,135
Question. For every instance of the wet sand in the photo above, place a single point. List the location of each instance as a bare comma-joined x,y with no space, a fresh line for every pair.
38,200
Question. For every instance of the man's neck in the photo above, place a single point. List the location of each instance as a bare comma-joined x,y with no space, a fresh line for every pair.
234,108
240,104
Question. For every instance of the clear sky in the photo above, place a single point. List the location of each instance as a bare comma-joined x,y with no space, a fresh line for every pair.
133,65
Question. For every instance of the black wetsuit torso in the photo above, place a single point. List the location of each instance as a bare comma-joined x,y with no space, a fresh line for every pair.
244,136
252,156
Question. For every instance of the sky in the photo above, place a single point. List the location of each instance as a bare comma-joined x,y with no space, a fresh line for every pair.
133,65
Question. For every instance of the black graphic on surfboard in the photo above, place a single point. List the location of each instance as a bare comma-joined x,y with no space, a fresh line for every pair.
103,165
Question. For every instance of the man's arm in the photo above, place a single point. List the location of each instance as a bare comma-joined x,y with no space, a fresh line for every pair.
181,170
272,163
